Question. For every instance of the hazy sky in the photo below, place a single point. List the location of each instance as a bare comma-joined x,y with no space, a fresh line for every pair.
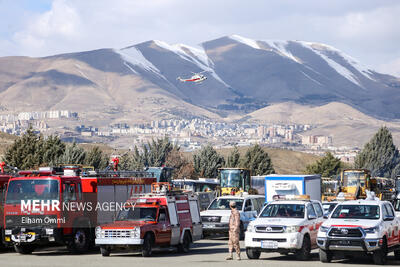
368,30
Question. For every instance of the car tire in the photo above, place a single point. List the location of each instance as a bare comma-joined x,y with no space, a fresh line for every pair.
105,252
304,253
325,256
147,248
80,241
24,249
380,256
253,254
184,247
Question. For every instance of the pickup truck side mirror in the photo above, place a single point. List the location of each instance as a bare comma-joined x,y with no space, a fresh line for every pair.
326,216
388,218
312,216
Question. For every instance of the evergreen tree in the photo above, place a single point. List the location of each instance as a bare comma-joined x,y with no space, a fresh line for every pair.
53,149
153,153
258,161
233,160
207,161
182,167
380,155
328,166
96,158
73,154
26,152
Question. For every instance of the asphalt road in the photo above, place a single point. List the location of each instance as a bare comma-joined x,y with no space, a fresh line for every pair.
208,253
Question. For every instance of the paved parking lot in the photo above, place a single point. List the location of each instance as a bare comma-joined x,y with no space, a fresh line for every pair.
208,253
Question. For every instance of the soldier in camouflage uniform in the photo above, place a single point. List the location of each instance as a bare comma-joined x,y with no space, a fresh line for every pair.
234,231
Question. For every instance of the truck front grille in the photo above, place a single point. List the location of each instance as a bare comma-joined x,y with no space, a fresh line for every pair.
207,219
345,232
269,229
344,243
117,233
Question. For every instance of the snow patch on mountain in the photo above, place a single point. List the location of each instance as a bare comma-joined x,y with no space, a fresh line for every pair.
133,56
333,64
249,42
280,47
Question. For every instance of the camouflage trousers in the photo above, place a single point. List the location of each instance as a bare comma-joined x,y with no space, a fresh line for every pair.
233,242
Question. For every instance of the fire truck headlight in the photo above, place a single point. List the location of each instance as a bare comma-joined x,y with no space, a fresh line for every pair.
98,232
49,231
8,232
135,233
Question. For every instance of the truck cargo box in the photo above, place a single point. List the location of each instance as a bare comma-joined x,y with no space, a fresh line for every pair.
287,184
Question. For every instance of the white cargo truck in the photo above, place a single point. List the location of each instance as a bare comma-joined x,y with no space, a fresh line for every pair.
287,184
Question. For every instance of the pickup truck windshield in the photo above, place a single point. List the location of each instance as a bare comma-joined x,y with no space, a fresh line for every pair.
137,214
34,189
283,211
369,212
223,204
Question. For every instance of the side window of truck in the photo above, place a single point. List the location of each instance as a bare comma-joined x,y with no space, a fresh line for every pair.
389,210
310,210
247,206
318,209
69,192
256,205
162,216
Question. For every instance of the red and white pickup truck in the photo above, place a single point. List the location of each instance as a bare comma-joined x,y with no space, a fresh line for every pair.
153,220
360,226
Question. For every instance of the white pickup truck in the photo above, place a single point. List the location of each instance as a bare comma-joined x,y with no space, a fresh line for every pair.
285,226
360,226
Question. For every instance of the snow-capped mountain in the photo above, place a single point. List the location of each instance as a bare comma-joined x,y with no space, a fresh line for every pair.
140,81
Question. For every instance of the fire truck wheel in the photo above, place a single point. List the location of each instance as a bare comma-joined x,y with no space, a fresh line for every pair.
24,249
105,252
80,241
185,246
325,256
380,256
253,254
304,253
147,245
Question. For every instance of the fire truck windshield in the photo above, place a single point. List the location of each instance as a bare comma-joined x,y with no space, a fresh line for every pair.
137,214
34,189
223,204
283,210
354,178
231,178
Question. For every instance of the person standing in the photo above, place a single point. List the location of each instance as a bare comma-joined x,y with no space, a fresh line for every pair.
234,231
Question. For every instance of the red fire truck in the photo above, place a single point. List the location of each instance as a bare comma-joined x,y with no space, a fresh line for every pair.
153,220
31,216
4,178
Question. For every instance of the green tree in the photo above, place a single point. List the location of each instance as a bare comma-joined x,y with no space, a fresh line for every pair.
96,158
327,166
207,161
73,154
182,167
233,160
53,149
25,152
152,153
258,161
380,155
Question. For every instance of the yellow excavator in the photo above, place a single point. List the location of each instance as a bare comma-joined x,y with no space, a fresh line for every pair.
234,181
355,184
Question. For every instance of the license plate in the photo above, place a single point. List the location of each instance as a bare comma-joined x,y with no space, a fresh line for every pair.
269,244
208,225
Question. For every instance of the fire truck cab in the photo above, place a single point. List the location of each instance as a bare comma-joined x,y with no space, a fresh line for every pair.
33,213
153,220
